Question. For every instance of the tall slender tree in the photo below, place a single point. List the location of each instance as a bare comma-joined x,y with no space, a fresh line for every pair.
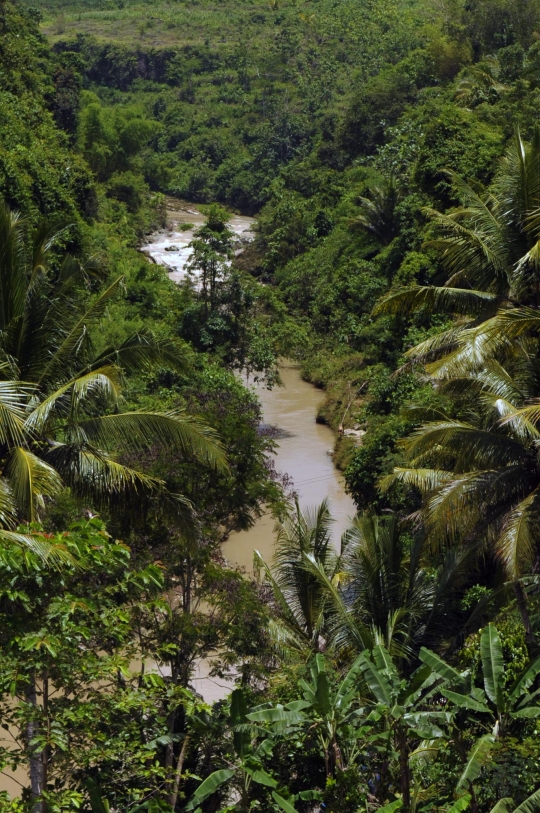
299,594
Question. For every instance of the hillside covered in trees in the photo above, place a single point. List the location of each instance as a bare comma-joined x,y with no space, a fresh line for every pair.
390,152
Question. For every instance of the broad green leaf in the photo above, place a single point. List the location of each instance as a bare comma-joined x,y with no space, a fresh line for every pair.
530,805
492,665
461,804
265,748
528,700
391,807
384,663
477,758
349,679
525,679
322,694
241,739
426,752
261,777
275,715
320,664
209,786
283,803
505,805
415,685
309,795
378,684
425,731
440,667
527,713
297,705
464,701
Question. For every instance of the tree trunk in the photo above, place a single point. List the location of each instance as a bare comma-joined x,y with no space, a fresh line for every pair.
35,759
169,751
474,800
45,753
521,599
338,758
178,775
405,775
327,762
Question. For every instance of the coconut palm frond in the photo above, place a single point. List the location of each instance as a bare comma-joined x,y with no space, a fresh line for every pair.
8,505
441,345
529,415
76,335
516,544
47,549
478,251
30,479
142,351
425,480
438,299
13,279
470,445
93,474
171,430
345,628
67,399
14,397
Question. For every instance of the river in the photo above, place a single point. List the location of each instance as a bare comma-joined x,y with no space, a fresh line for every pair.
304,454
303,446
182,220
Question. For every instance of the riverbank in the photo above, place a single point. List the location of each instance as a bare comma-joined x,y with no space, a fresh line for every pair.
304,444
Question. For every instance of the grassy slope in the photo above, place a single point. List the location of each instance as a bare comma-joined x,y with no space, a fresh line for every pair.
167,24
312,53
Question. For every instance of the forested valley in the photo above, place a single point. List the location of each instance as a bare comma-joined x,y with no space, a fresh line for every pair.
389,151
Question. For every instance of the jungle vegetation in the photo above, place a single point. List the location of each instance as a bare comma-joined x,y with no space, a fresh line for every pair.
390,151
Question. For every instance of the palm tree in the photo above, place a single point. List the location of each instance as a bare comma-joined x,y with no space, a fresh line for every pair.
378,211
385,591
60,417
490,247
479,470
481,82
381,590
299,595
478,467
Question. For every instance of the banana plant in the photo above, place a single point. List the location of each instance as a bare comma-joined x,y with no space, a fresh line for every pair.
530,805
251,755
502,706
402,706
499,707
506,805
334,715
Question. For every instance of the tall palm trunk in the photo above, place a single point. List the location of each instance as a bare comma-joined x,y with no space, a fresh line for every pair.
35,760
521,600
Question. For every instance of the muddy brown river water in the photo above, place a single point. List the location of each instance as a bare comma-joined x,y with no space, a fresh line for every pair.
303,452
304,446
